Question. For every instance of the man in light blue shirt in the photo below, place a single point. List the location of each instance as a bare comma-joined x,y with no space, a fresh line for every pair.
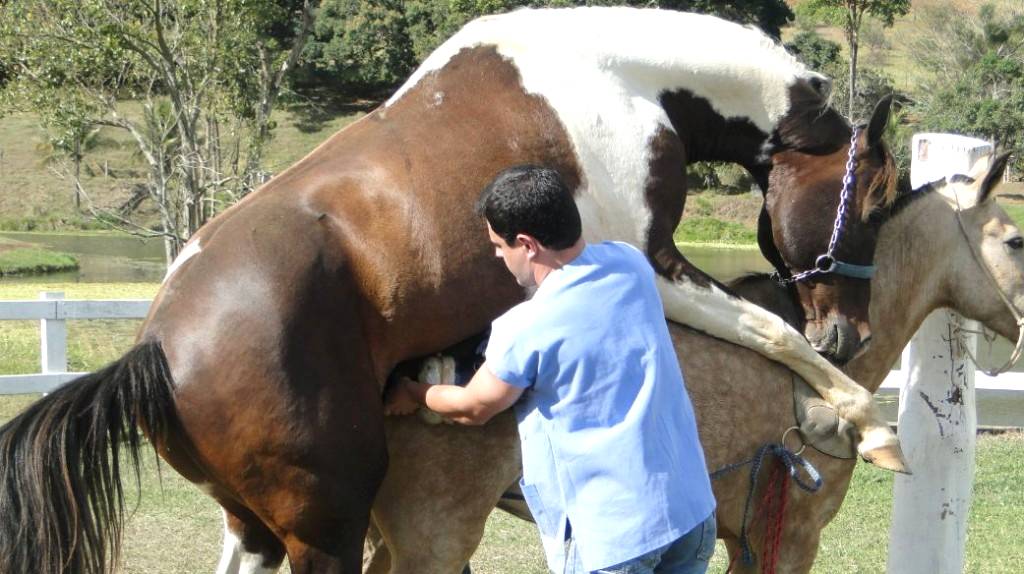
613,471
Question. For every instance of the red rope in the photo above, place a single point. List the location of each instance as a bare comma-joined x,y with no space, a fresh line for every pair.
773,508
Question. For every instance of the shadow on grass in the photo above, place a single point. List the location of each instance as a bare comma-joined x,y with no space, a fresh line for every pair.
313,109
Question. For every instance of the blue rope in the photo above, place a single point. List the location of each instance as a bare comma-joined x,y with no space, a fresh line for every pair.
792,461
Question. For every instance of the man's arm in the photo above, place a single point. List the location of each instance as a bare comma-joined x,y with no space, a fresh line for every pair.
483,397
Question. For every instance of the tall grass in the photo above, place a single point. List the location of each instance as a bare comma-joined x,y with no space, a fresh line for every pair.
28,261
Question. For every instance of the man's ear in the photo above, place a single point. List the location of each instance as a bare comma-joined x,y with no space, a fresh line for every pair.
530,243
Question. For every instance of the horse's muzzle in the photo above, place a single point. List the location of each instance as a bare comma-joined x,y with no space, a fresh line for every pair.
837,339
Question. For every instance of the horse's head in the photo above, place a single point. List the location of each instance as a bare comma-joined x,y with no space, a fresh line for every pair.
819,226
986,247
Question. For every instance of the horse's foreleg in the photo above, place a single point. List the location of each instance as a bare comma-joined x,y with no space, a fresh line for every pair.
704,306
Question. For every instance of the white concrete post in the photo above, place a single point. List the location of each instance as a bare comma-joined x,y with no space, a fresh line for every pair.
937,414
937,426
53,339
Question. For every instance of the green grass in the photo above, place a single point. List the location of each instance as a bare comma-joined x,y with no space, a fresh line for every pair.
1015,211
91,344
176,529
31,261
712,230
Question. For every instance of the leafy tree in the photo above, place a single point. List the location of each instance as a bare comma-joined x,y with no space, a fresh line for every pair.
824,55
368,45
976,81
359,44
768,15
850,15
988,102
951,42
5,74
816,52
193,64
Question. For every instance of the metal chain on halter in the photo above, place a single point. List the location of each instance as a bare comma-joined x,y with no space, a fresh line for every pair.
1017,316
845,199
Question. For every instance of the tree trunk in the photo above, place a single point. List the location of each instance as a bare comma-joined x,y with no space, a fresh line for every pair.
77,159
271,81
853,40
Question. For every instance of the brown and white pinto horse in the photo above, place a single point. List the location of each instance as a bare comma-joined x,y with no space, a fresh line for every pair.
259,369
444,480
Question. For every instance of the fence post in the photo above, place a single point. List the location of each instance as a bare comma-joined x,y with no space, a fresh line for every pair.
937,427
937,413
53,339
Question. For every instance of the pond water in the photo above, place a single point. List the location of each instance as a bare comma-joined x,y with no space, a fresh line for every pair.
101,258
124,259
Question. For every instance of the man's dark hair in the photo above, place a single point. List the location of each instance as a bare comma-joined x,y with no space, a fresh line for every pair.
532,200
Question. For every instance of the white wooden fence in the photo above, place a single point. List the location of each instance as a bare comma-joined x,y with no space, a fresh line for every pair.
1000,400
53,311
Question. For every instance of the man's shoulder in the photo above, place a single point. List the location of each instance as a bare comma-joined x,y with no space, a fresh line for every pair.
624,255
514,316
617,247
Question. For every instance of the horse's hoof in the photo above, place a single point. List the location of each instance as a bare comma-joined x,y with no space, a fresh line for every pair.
887,457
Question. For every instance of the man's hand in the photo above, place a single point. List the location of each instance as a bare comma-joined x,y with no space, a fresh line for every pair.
400,400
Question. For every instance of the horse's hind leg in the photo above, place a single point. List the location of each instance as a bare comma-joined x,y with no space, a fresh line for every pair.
320,507
249,546
302,461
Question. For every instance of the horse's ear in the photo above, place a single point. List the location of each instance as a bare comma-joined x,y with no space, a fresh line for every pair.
879,119
993,176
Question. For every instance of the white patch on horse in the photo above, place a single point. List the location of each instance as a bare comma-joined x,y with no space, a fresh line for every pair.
605,89
191,250
719,313
235,560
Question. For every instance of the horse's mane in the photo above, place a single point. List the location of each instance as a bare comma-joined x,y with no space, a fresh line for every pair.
909,197
883,186
812,126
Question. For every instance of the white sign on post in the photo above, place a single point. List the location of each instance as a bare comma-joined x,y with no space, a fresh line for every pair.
937,414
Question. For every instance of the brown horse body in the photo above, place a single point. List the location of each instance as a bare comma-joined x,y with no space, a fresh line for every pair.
284,316
443,481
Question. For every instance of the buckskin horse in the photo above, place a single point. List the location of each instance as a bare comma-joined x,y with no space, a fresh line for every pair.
444,480
258,372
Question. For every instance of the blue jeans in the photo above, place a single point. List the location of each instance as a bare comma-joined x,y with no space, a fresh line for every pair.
689,554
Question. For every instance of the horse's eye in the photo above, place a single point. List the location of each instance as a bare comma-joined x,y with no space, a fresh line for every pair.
1015,243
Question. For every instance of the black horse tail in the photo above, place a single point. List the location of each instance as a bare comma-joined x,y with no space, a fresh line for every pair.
61,501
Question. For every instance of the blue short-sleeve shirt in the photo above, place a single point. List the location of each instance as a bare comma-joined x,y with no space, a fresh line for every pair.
608,432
